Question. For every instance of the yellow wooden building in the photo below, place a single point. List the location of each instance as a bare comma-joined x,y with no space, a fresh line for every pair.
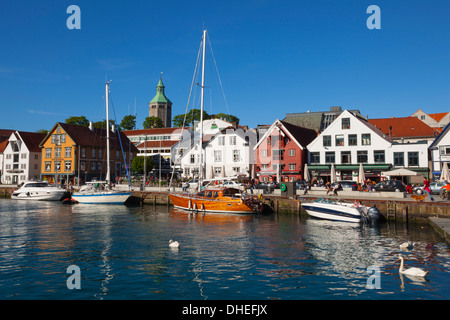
72,152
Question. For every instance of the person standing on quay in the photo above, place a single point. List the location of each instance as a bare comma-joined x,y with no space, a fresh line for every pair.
426,188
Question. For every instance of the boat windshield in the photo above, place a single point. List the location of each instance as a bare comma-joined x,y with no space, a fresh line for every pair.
230,192
36,185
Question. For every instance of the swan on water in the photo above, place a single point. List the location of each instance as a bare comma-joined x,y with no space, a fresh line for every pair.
415,272
407,245
174,244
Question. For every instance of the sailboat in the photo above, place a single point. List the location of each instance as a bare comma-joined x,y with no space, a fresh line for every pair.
213,198
100,192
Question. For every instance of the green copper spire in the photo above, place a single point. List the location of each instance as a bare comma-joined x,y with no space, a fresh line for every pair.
160,96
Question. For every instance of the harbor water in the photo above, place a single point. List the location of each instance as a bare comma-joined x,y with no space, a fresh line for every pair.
122,252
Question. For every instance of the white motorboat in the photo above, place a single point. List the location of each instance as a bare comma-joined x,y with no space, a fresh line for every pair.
38,190
99,192
331,209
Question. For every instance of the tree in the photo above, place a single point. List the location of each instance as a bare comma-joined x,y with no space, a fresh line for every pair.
128,122
153,122
138,164
44,131
226,117
193,115
102,124
80,121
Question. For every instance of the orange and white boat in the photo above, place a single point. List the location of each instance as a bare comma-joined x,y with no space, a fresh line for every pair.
217,199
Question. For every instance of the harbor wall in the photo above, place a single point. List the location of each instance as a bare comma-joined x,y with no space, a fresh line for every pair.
399,209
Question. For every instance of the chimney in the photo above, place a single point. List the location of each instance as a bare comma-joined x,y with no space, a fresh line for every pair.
91,125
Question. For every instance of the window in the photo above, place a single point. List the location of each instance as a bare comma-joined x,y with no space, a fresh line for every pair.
221,141
413,159
264,153
365,139
217,171
278,154
68,153
217,155
345,123
233,140
192,158
68,166
399,159
93,166
346,157
48,152
339,140
378,156
315,157
445,150
236,156
327,141
58,152
83,165
23,156
361,156
330,157
83,152
292,166
94,153
100,154
352,140
291,152
57,166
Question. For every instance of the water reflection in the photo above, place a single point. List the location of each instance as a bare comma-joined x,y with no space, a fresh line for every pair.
123,253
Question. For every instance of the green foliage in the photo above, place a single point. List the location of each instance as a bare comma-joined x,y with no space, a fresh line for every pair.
128,122
138,164
80,121
153,122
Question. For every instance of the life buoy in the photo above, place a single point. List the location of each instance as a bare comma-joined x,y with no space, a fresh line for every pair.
260,197
283,187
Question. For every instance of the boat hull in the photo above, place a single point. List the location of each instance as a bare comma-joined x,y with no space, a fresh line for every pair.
222,205
102,197
333,212
39,195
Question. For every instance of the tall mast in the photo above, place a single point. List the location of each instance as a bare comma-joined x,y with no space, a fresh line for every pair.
108,168
200,166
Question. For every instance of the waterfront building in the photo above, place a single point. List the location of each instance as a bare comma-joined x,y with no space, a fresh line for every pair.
281,152
405,129
315,120
351,140
227,150
157,144
440,152
4,136
434,120
74,153
22,157
160,106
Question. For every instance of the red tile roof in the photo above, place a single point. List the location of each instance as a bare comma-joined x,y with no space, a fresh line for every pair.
405,127
437,116
157,144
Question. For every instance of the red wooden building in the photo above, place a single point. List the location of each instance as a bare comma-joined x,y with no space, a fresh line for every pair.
280,154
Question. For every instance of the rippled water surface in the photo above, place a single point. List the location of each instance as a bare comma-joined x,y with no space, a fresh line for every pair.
123,253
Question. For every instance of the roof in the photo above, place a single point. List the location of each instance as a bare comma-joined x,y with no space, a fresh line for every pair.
302,136
84,136
440,136
437,116
153,131
405,127
32,140
160,96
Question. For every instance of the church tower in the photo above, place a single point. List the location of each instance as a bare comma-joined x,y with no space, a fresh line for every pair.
160,106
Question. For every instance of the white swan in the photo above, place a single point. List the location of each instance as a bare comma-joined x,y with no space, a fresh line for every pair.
174,244
415,272
407,245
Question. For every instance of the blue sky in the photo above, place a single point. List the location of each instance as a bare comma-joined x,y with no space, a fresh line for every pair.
273,58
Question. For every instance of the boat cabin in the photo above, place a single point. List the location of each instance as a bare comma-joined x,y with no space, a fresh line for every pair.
219,192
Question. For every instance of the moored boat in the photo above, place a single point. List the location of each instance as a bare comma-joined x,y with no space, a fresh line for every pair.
97,192
331,209
38,190
217,199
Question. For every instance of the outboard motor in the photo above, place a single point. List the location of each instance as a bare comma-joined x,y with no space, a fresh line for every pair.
374,214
